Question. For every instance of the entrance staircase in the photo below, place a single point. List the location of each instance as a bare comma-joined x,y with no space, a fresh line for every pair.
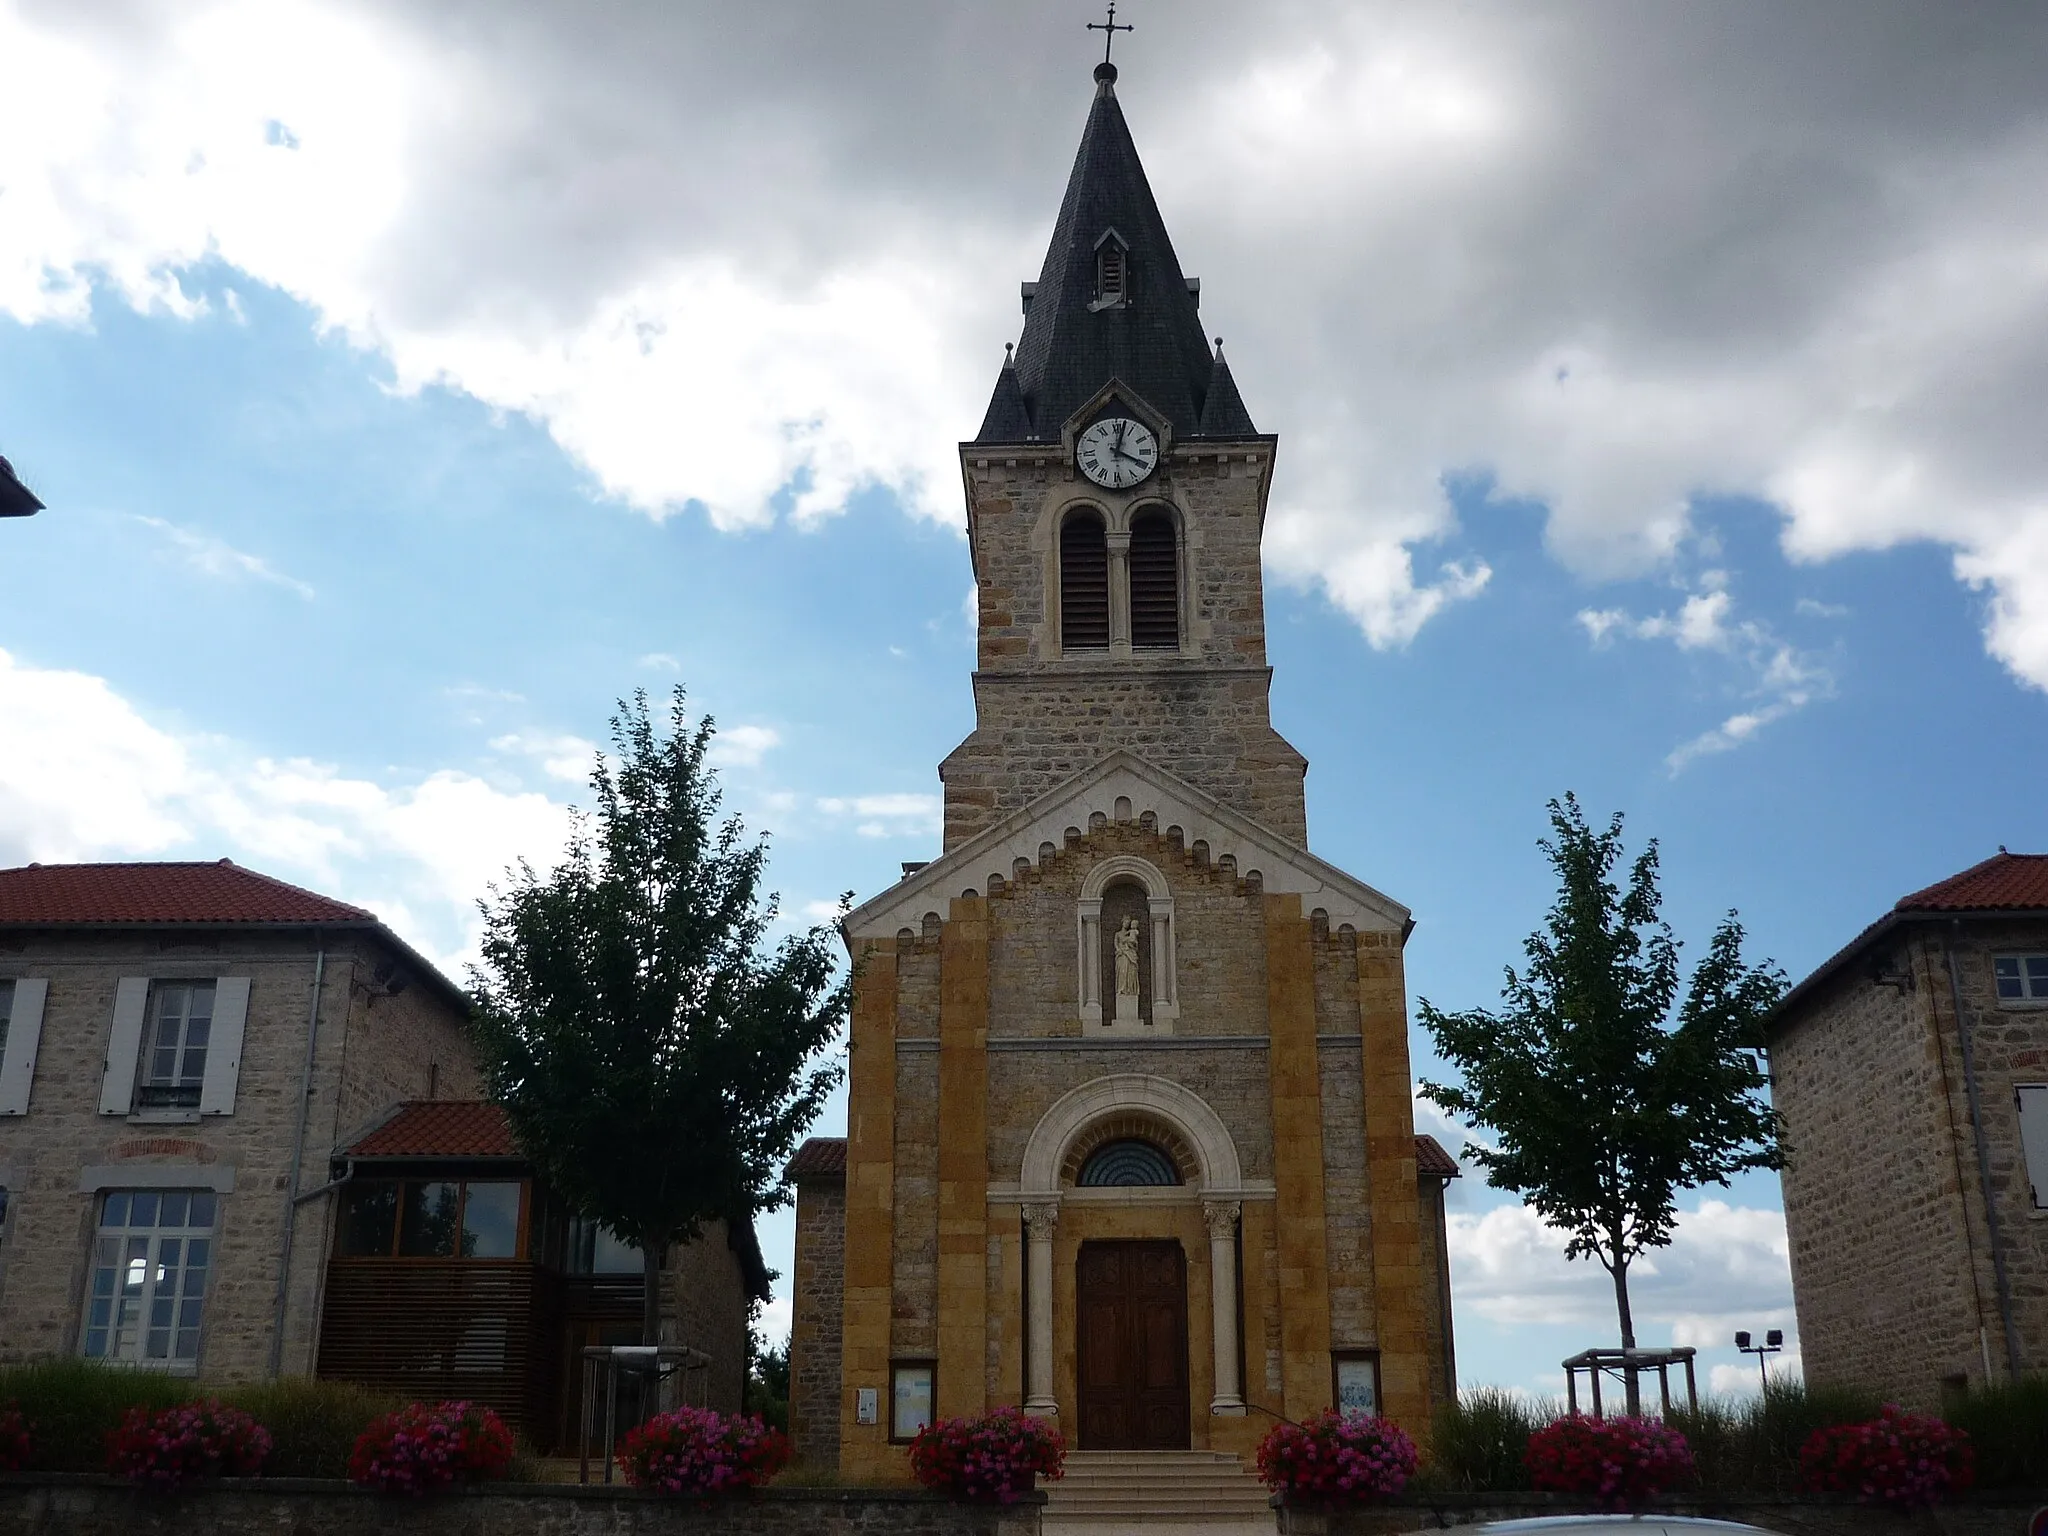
1156,1493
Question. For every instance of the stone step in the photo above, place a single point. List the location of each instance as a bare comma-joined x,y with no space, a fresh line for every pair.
1152,1493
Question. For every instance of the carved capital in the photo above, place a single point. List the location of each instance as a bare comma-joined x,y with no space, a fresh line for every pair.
1221,1215
1039,1221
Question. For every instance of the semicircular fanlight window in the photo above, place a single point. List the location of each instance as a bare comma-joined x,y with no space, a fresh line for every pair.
1123,1163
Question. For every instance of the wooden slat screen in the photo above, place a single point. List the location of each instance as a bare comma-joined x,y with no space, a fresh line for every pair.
1155,582
433,1329
1084,584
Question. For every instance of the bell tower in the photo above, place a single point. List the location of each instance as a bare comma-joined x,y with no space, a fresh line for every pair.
1116,494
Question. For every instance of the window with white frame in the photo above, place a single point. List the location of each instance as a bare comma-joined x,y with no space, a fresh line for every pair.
6,1013
175,1045
147,1290
2021,978
2033,1107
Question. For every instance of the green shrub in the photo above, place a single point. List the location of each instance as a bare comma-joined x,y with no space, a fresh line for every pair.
314,1423
1751,1445
1480,1439
72,1405
2008,1427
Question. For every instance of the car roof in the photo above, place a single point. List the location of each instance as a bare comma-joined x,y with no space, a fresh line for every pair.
1642,1525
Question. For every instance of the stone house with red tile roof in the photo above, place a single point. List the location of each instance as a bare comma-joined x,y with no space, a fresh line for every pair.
200,1066
1911,1071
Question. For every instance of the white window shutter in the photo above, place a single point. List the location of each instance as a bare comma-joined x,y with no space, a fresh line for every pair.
24,1030
224,1046
2033,1101
124,1045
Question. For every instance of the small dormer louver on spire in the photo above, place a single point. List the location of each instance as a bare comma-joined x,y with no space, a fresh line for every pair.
1110,304
1112,271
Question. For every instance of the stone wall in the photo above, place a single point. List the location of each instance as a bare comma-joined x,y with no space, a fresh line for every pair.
363,1053
81,1506
1043,716
817,1295
711,1311
1890,1246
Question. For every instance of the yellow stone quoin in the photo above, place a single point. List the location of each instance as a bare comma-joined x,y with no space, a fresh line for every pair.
1129,1139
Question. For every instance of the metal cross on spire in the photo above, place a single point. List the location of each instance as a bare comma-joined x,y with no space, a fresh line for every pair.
1109,30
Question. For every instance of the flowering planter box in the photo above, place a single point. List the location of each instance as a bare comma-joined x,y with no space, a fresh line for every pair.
57,1504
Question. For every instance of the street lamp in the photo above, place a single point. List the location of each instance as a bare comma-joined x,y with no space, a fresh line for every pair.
1774,1341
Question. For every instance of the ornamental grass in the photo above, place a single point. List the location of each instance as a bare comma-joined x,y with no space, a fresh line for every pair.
1337,1460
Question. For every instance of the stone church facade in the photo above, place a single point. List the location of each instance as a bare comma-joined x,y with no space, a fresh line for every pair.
1130,1139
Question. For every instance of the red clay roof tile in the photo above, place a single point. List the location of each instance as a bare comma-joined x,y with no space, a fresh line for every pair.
1432,1161
86,894
2003,882
441,1128
819,1155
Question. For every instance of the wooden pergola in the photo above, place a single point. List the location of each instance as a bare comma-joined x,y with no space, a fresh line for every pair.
1628,1366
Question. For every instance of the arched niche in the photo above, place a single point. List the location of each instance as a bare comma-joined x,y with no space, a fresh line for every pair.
1116,890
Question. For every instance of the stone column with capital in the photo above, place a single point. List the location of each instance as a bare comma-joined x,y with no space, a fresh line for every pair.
1221,1216
1039,1221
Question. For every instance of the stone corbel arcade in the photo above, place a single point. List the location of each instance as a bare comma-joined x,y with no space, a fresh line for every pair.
1165,1113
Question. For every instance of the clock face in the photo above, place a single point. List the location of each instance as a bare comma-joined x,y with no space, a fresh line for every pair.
1117,452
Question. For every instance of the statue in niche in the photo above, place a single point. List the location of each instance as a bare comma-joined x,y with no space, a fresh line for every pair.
1127,969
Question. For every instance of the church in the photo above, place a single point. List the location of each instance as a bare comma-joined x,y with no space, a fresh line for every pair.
1129,1133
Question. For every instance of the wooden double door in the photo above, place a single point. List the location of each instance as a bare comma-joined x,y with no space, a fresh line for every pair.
1131,1300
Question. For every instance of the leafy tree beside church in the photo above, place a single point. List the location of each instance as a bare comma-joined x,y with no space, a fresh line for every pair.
656,1060
1604,1104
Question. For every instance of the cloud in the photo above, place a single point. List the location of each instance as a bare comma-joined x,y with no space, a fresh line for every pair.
568,758
1812,277
660,661
1727,1267
1781,678
743,746
897,815
211,556
104,782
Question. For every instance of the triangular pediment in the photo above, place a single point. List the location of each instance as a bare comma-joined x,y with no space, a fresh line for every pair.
1124,786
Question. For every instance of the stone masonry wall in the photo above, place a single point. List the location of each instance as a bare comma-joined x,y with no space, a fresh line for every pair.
1043,716
77,1506
2010,1042
44,1152
711,1310
818,1301
1890,1246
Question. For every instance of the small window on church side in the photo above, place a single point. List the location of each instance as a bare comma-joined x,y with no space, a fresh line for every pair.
1084,583
1155,582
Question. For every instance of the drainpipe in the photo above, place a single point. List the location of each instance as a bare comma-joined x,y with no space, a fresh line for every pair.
291,1188
1955,988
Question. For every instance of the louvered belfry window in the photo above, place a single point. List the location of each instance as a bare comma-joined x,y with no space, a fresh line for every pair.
1155,582
1084,583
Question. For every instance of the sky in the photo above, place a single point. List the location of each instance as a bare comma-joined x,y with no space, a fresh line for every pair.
1658,392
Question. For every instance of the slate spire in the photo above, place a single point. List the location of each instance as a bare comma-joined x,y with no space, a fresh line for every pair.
1110,304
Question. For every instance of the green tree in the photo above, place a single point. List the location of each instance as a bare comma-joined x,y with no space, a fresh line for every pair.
767,1391
656,1060
1602,1104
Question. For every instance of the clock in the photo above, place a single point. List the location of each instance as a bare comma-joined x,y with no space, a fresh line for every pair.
1117,452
